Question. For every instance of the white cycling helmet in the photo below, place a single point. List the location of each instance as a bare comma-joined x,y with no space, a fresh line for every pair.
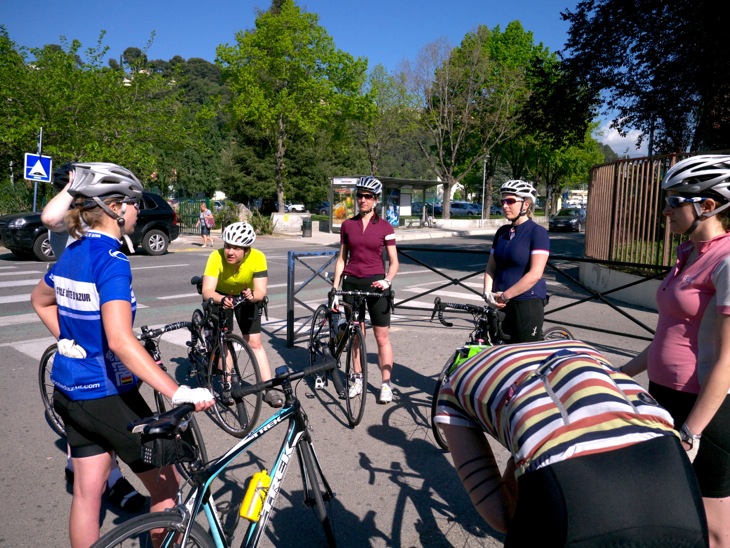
702,175
520,188
239,234
102,179
370,183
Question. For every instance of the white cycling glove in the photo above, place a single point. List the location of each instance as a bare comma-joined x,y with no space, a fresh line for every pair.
335,303
69,348
490,298
185,394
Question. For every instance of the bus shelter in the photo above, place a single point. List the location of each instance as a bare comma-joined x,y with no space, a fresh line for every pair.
400,198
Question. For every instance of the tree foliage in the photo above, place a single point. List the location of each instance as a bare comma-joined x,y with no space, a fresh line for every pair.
288,78
662,68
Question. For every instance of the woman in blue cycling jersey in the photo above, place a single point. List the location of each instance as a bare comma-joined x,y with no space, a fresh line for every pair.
86,301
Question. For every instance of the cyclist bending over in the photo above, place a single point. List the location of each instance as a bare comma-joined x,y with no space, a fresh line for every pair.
240,269
594,459
360,267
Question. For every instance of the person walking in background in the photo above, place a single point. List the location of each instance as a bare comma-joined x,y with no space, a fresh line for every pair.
688,361
86,301
206,221
239,269
120,492
513,277
594,461
360,267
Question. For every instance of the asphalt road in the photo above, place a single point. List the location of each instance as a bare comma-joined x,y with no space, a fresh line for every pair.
394,486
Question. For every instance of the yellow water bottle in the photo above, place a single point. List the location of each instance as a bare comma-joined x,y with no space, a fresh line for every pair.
253,501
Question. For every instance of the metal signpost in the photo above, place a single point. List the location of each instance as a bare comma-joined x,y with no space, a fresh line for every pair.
38,168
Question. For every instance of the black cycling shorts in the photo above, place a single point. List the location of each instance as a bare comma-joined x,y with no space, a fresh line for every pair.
98,426
378,307
523,320
641,495
248,317
712,463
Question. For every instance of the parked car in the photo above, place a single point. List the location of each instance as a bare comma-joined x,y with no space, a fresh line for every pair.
573,218
322,208
296,207
495,210
25,236
465,208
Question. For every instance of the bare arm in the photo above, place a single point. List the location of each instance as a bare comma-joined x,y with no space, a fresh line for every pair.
531,277
260,287
209,292
43,300
393,264
493,494
489,273
637,364
53,215
340,265
117,319
714,390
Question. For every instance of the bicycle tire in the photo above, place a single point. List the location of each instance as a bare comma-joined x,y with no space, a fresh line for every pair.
557,333
321,345
135,532
355,406
438,434
163,404
45,366
240,416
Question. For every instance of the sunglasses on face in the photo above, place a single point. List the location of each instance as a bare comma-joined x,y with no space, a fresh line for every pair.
510,201
360,196
676,201
132,201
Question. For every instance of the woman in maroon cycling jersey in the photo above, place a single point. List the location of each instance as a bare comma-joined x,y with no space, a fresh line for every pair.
360,267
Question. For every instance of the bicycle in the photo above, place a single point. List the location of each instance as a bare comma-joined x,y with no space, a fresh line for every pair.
218,371
150,339
329,338
487,332
178,525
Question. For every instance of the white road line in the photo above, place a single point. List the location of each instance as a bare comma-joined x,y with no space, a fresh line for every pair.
180,296
156,267
34,349
16,283
442,294
8,267
15,299
20,318
20,272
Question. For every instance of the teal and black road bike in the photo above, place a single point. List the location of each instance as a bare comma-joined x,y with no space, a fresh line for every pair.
487,332
178,526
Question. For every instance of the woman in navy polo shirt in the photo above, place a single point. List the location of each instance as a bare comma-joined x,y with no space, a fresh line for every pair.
513,279
360,267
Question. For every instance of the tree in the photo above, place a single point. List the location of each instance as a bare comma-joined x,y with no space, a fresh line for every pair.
469,101
662,67
287,77
387,119
88,112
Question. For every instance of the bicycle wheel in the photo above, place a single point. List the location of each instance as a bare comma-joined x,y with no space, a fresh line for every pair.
44,382
136,532
355,395
198,328
194,432
236,417
321,345
438,434
557,333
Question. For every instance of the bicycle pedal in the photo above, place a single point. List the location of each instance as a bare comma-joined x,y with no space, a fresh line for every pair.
319,383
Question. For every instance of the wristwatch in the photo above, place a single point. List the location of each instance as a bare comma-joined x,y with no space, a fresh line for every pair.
687,436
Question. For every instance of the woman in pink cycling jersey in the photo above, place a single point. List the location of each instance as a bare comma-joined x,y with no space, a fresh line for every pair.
688,362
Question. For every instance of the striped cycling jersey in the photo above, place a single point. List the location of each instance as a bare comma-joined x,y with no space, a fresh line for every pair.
91,272
550,401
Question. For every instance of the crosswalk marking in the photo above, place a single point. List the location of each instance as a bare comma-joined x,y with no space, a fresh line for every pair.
16,283
20,273
15,298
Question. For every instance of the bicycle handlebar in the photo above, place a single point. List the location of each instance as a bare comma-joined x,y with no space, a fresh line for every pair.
494,317
363,294
239,392
148,333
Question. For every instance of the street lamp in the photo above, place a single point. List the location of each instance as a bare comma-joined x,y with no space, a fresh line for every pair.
484,183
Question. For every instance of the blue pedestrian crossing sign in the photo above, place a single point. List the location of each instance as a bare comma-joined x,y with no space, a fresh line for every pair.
38,168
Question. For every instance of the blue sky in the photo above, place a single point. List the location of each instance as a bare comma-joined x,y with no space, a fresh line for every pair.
384,31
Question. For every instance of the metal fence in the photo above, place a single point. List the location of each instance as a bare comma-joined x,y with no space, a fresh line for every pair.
625,205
